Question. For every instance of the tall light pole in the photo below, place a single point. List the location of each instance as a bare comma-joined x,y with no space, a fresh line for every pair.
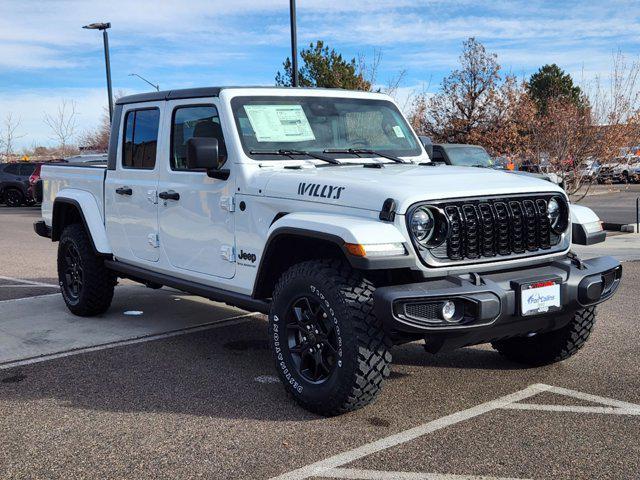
157,87
294,44
105,38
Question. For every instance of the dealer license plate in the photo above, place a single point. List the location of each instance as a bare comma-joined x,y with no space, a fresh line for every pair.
540,297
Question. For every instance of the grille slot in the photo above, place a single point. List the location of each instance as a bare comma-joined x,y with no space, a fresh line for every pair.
487,230
492,227
456,235
472,224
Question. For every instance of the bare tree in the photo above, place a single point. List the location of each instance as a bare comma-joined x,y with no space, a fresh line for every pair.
570,135
98,138
465,98
476,104
63,124
9,134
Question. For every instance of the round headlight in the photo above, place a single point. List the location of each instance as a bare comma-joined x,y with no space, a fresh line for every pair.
422,225
556,215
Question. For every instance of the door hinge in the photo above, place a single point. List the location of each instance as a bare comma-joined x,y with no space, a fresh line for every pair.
152,196
228,252
154,240
227,203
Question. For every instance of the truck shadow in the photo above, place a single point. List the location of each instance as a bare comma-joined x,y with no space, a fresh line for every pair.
226,373
479,357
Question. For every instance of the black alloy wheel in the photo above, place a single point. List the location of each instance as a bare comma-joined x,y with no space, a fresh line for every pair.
13,198
311,339
73,272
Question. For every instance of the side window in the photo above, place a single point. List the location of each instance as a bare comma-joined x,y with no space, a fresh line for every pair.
140,138
12,169
195,121
27,169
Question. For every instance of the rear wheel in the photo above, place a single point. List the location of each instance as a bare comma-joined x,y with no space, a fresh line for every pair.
86,284
330,350
550,347
13,197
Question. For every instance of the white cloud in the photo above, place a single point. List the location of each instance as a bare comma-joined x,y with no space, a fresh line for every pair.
196,42
30,106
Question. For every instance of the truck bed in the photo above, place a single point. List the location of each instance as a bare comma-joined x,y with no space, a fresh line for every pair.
58,177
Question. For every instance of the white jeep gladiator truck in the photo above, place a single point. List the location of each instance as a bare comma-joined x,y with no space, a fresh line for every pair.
321,209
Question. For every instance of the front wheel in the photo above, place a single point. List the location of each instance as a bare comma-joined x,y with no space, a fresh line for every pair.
550,347
330,351
86,284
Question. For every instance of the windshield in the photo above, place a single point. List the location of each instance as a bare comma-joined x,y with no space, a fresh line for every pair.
318,124
469,156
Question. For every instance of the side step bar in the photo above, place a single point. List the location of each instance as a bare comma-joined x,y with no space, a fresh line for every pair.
143,275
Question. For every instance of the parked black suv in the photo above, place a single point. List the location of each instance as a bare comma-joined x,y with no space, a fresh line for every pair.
14,183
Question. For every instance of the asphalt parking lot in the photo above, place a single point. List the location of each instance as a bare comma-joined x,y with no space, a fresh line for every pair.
166,385
613,203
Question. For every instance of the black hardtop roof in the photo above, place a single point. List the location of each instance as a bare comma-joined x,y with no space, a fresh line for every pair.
196,93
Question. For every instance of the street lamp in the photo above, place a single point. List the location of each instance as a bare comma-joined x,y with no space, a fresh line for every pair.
294,44
157,87
105,38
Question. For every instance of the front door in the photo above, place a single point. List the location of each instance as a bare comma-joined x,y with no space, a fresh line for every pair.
130,190
196,223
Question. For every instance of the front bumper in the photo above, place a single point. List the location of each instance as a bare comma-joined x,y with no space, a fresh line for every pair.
488,304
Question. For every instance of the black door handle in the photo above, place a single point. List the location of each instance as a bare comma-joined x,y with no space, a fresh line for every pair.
124,191
169,195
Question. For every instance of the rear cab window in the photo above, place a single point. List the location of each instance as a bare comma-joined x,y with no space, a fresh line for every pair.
140,139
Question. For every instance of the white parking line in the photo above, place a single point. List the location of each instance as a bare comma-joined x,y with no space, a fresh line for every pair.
146,338
21,299
30,285
28,282
330,467
593,398
572,409
356,474
323,466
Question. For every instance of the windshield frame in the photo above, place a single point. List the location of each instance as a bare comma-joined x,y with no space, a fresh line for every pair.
239,101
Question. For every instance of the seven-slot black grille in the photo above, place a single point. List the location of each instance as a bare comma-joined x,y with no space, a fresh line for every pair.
487,228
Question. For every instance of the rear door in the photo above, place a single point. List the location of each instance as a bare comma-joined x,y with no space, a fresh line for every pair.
131,189
196,226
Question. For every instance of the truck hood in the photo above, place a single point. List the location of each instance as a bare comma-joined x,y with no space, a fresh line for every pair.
368,188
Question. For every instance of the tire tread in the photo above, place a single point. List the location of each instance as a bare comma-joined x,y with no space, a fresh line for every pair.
550,347
98,281
373,345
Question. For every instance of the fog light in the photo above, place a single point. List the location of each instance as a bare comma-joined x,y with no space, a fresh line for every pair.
448,310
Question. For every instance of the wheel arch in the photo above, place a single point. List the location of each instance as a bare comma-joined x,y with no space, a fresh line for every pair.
297,237
287,246
79,207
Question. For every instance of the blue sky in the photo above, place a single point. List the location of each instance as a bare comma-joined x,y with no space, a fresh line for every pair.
45,55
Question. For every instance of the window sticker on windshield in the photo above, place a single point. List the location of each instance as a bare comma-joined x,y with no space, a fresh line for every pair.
279,123
399,132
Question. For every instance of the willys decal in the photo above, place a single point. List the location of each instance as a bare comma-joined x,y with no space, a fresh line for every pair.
319,190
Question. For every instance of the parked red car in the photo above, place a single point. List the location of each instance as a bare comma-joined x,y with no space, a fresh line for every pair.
34,178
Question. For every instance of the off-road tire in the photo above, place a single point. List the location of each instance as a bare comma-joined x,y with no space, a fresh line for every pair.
365,349
550,347
13,197
98,282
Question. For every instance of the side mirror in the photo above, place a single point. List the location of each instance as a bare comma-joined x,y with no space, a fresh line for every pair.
427,144
203,152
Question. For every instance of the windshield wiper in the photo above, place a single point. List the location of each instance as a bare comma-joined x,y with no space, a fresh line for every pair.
358,151
291,153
